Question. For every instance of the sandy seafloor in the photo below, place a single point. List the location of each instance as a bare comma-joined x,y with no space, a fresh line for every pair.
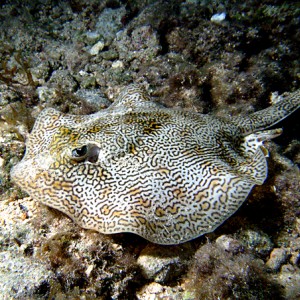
76,56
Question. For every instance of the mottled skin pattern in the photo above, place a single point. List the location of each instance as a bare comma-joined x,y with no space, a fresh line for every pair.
165,174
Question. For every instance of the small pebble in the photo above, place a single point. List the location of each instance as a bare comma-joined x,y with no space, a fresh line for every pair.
155,288
295,258
277,258
97,48
229,244
92,36
89,270
162,264
1,162
218,18
117,64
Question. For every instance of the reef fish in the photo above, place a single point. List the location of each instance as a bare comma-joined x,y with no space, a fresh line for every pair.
165,174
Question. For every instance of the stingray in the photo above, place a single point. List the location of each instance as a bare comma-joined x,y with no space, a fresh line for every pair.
165,174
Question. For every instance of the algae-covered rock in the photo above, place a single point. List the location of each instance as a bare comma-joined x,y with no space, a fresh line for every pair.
257,241
162,264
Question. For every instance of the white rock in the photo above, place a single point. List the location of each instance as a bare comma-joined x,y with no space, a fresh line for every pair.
218,18
92,36
117,64
277,258
1,162
228,244
97,48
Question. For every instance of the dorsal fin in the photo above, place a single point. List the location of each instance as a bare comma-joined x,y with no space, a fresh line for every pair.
267,117
131,97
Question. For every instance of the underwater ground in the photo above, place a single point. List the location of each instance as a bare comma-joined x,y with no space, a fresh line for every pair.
219,57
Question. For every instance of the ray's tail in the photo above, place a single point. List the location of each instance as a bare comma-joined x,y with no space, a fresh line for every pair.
267,117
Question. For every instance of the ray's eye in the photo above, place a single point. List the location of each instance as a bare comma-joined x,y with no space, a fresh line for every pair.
85,153
80,152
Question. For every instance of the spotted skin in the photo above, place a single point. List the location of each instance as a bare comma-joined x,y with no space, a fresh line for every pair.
164,174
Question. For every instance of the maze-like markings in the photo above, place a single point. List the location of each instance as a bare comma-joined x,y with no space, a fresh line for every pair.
138,167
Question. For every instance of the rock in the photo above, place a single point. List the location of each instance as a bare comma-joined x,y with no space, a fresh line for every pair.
22,273
295,258
87,82
155,291
257,241
92,36
109,54
142,44
7,95
46,94
41,72
64,80
277,258
218,18
229,244
154,288
162,264
21,277
289,278
95,99
117,64
295,252
97,48
109,23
